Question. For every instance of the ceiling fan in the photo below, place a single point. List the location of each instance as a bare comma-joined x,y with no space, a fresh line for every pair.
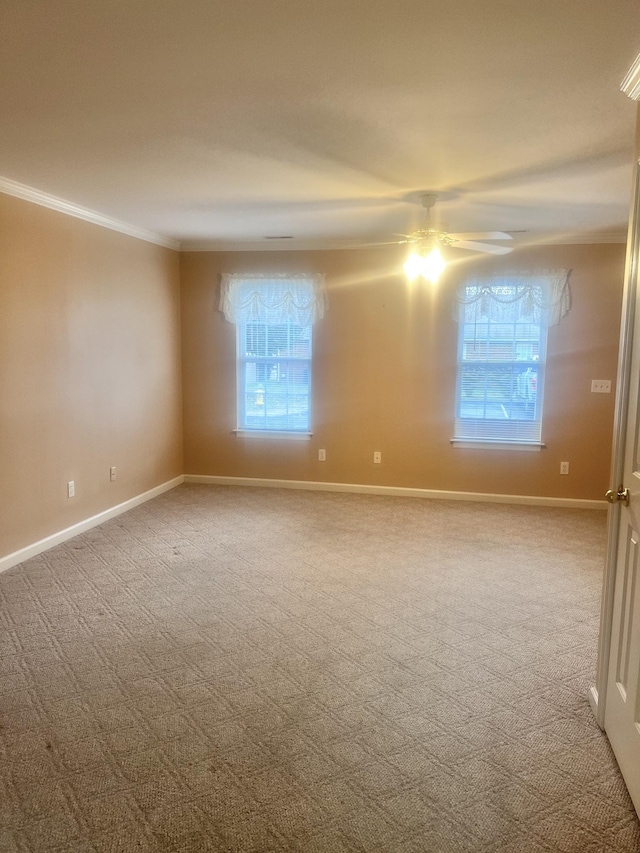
426,258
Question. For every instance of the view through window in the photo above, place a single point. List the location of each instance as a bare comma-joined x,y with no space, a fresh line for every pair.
274,376
501,359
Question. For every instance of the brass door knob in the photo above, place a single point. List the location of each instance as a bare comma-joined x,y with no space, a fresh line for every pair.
620,494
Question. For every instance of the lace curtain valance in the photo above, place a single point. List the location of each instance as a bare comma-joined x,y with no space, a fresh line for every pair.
535,297
277,299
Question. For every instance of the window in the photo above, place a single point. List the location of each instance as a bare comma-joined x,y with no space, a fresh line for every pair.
274,316
502,344
274,376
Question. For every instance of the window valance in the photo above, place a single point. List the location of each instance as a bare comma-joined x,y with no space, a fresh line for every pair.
534,297
272,298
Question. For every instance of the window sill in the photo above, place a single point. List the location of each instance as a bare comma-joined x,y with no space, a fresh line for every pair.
484,444
272,433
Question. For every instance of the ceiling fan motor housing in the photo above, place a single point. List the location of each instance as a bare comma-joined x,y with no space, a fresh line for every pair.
428,200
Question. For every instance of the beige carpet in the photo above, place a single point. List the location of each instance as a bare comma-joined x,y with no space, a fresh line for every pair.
228,669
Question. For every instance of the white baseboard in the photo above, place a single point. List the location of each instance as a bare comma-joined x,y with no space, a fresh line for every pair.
396,491
69,532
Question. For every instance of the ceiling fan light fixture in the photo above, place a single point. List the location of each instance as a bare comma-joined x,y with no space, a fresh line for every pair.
413,266
427,261
429,264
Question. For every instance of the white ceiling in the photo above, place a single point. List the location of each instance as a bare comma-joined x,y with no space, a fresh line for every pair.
216,122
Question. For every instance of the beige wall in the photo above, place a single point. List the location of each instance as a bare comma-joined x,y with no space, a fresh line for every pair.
89,370
90,374
384,375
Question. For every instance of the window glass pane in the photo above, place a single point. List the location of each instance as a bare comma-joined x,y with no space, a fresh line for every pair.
278,340
475,342
502,350
255,339
527,339
525,393
274,384
301,342
498,391
254,395
500,371
472,392
286,397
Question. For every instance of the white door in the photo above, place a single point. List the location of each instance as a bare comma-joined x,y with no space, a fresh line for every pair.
622,701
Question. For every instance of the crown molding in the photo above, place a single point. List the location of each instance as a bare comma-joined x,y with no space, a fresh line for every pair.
9,187
278,245
579,239
526,240
13,188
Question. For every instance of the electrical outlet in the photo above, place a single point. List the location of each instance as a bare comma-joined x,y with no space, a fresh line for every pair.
322,456
377,457
112,473
600,386
564,467
71,489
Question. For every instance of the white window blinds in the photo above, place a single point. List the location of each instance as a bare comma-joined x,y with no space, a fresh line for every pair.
502,344
274,316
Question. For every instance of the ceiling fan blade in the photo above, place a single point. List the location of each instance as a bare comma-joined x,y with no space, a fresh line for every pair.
483,235
481,247
384,243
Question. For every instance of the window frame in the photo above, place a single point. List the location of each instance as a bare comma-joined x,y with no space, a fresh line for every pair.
475,436
244,429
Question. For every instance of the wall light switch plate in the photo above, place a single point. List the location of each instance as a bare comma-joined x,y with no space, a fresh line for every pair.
600,386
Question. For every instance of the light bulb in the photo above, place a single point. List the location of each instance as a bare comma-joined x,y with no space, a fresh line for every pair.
429,266
433,265
413,266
